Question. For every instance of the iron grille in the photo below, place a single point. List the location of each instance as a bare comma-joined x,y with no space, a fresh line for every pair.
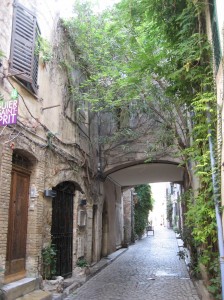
62,228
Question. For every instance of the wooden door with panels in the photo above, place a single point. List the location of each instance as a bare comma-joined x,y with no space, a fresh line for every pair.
17,225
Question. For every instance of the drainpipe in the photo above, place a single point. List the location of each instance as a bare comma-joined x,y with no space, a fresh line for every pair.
132,216
217,207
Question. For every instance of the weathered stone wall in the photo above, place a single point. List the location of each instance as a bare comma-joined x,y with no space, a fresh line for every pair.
128,215
220,16
57,146
48,170
113,218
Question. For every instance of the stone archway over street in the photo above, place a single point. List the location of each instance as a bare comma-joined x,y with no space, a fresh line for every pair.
147,173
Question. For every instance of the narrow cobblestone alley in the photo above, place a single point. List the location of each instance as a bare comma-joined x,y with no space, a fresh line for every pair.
149,269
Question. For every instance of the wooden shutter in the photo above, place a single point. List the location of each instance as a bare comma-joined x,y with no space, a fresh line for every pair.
23,62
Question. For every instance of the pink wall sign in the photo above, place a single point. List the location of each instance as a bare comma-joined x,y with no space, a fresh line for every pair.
8,112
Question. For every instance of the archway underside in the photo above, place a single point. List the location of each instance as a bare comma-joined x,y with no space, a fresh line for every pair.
147,173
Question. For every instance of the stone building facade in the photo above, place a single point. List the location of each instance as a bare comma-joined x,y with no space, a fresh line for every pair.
54,184
50,189
128,200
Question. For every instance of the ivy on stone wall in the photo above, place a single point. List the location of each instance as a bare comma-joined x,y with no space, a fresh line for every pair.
142,207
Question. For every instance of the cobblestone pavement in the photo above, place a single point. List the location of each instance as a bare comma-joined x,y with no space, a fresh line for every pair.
148,270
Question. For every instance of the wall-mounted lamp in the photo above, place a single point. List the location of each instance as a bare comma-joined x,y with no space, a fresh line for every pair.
50,193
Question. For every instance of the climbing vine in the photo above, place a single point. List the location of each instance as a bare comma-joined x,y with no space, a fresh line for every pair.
191,77
200,215
43,50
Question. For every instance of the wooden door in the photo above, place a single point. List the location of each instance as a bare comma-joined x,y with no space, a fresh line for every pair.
17,225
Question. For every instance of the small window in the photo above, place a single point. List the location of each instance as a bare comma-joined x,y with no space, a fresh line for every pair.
23,61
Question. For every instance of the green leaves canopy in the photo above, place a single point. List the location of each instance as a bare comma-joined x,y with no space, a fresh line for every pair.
151,59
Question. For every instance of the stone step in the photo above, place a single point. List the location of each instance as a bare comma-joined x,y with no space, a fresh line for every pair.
36,295
13,290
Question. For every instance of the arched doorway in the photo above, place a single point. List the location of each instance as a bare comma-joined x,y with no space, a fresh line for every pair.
62,227
18,217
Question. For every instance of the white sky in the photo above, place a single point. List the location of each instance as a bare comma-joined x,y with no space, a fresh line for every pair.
66,6
158,215
159,190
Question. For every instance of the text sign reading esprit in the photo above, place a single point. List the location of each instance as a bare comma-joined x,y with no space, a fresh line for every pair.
8,112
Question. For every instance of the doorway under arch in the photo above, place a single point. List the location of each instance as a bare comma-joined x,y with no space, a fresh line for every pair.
15,267
62,227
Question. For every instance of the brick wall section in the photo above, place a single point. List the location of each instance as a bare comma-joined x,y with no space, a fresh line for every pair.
40,211
35,209
44,165
5,179
35,220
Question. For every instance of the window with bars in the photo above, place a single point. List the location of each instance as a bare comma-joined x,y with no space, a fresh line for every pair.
23,61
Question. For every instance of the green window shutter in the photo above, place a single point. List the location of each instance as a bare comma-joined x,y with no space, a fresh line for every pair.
23,63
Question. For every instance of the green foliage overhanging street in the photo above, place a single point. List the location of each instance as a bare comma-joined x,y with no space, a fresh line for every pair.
152,58
142,207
